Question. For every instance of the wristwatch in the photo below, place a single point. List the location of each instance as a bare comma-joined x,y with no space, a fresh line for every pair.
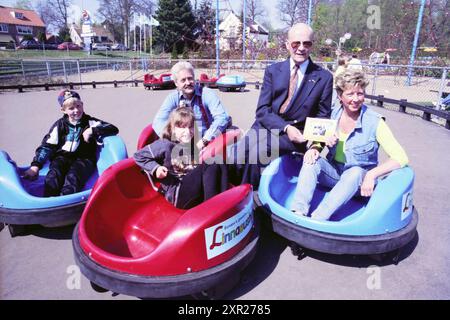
205,142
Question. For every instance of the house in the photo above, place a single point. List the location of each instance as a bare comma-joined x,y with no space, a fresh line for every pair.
231,33
53,38
17,23
102,35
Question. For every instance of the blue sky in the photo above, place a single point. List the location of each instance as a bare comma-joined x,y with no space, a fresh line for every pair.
92,6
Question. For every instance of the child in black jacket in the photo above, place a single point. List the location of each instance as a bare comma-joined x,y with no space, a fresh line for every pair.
70,145
173,160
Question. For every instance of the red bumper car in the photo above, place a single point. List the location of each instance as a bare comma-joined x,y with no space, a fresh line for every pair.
209,82
163,82
131,240
216,147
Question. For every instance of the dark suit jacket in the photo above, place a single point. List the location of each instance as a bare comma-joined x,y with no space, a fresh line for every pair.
312,99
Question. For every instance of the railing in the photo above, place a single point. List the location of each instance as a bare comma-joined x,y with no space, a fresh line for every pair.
70,85
403,104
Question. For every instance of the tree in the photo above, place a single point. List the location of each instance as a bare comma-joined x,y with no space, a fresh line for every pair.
118,14
23,4
55,13
293,11
206,25
177,23
255,10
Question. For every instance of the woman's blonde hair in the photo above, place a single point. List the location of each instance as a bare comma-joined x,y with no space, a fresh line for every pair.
350,78
181,117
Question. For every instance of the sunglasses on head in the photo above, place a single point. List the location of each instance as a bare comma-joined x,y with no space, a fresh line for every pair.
296,44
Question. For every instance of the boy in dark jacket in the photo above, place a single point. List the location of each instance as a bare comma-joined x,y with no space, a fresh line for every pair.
70,145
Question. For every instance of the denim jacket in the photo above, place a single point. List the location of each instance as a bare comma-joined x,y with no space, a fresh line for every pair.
361,147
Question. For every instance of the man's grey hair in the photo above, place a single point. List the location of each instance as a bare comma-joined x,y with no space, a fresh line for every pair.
181,65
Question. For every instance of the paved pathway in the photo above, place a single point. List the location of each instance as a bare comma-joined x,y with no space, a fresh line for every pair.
38,266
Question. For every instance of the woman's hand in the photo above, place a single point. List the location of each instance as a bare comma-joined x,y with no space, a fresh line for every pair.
161,172
87,134
331,141
31,173
311,156
368,185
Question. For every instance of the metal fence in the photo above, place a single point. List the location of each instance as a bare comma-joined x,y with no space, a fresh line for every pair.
427,86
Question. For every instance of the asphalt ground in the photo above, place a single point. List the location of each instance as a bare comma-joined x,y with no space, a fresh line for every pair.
40,265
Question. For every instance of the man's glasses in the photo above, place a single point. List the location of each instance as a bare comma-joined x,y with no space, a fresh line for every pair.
296,44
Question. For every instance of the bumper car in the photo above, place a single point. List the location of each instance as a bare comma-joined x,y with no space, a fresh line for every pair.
132,241
163,82
22,202
209,82
231,83
379,226
217,147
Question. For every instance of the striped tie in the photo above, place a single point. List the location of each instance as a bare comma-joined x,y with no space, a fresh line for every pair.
292,87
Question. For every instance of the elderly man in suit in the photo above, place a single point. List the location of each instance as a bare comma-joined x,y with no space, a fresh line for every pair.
292,90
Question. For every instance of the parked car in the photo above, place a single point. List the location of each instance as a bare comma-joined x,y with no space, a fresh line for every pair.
101,47
68,46
30,44
51,46
119,47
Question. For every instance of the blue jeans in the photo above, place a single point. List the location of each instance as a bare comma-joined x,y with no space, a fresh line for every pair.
344,185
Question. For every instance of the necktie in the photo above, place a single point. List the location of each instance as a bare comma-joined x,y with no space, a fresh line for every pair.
292,87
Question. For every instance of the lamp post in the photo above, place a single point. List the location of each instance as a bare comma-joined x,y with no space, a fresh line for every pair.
342,40
217,40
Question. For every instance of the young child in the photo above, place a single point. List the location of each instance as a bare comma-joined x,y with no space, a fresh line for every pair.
71,146
172,160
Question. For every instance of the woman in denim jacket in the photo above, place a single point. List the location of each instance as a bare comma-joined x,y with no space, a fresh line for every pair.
352,160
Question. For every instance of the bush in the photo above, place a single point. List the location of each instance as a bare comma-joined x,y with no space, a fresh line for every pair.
41,37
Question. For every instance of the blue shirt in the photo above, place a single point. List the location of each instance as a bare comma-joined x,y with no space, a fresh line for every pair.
216,122
361,146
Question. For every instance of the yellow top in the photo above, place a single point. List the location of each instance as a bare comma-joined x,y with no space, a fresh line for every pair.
386,140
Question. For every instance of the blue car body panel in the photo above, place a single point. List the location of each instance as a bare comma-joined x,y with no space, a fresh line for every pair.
19,193
231,81
389,209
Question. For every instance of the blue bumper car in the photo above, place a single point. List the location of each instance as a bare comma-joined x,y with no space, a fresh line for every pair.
22,202
231,83
379,226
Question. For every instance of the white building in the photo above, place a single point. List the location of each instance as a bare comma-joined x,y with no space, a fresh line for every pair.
231,36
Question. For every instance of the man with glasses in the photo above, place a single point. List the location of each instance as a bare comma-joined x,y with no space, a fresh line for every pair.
291,91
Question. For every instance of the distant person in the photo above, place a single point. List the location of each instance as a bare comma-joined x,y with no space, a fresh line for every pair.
352,159
355,63
386,58
291,91
342,66
71,147
173,161
210,115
